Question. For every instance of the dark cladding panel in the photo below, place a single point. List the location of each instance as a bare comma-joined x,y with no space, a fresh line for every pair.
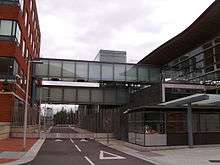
110,96
69,95
97,96
56,94
83,96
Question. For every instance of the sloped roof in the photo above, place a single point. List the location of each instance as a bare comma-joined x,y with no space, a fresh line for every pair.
203,29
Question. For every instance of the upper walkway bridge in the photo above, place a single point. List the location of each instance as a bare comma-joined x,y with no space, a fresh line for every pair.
107,75
94,71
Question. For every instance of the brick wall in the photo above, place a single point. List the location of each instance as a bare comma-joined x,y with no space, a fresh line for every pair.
6,104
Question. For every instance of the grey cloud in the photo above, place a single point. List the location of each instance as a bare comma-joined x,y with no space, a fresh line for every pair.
77,29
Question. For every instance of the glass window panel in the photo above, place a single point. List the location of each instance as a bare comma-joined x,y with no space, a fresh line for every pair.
68,69
83,95
97,96
82,71
143,74
131,73
154,75
107,72
55,68
56,94
95,71
7,66
5,28
69,95
42,69
18,34
119,72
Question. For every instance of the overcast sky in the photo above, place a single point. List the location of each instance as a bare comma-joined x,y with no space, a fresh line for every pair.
78,29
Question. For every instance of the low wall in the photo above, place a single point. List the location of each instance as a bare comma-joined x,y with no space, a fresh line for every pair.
148,139
30,129
4,130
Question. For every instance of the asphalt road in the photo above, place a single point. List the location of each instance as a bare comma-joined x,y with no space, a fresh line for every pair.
78,152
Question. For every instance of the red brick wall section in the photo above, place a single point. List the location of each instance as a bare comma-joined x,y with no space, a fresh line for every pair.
6,104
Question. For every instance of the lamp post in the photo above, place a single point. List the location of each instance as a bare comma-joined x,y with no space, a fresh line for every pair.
39,117
26,101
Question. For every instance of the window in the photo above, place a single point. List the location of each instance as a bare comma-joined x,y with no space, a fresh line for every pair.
31,4
206,122
9,28
33,15
6,27
23,48
29,29
27,54
25,18
21,4
8,67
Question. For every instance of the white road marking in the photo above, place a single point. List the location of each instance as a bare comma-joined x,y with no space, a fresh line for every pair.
78,148
89,160
72,141
58,140
75,145
84,140
112,157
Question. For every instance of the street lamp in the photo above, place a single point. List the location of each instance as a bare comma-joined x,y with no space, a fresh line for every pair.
26,100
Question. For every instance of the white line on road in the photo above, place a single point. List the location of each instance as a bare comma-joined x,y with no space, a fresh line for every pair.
72,141
78,148
75,145
89,160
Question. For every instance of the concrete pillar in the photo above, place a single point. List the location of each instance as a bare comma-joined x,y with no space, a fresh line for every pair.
189,125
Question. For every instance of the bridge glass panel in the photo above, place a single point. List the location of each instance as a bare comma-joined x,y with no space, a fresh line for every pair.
119,72
97,96
154,75
107,72
143,74
56,94
94,71
68,70
55,68
42,69
131,73
82,71
83,95
69,95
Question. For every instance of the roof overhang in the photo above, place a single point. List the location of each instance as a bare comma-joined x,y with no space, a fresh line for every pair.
203,29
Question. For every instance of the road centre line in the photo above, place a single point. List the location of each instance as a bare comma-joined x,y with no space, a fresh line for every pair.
89,160
75,145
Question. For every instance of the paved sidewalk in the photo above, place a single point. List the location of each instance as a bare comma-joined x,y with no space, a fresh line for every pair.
12,149
182,155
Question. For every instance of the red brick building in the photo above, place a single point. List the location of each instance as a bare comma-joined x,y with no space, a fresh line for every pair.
20,39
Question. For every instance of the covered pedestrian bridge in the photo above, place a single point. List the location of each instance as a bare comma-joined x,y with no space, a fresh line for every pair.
113,81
